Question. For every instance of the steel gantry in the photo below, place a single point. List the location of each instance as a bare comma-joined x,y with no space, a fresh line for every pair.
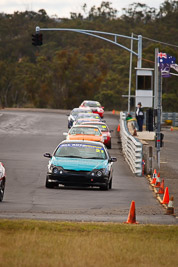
97,34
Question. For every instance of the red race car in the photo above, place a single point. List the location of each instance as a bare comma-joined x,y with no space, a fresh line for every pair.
104,129
95,106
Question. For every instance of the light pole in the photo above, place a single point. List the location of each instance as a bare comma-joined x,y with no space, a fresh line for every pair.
130,74
139,62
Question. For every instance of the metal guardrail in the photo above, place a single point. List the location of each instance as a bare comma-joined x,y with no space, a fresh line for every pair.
131,147
173,116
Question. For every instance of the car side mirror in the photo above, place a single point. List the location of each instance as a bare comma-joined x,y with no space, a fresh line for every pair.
65,134
113,159
47,155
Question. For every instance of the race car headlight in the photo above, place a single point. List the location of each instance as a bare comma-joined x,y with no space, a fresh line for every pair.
94,173
105,171
55,169
99,173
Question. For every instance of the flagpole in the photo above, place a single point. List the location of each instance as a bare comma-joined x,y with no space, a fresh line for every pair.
156,79
159,104
158,133
165,62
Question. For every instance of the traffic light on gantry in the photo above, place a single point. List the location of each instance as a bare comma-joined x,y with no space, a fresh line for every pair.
37,39
34,39
40,38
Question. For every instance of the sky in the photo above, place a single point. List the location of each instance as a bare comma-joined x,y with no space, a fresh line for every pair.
62,8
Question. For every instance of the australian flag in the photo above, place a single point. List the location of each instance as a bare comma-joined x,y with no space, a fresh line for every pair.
164,62
165,58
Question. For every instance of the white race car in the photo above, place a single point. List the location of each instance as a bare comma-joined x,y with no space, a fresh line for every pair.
2,181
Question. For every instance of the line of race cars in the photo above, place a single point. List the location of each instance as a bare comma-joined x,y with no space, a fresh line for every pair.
83,158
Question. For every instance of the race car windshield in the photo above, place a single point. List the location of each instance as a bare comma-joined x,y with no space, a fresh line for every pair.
88,115
84,151
80,121
76,112
102,127
85,131
92,104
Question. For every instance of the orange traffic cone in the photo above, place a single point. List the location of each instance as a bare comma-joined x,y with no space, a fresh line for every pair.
153,182
154,177
158,181
132,215
154,174
166,196
113,112
118,128
161,189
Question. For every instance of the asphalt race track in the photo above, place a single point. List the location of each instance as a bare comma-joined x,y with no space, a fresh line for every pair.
25,136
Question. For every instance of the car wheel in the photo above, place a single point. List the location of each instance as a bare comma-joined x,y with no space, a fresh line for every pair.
2,188
105,187
109,146
50,184
110,184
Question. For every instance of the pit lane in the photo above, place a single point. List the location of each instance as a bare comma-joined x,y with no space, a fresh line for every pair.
25,135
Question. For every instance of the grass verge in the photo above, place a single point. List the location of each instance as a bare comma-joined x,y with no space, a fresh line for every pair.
37,243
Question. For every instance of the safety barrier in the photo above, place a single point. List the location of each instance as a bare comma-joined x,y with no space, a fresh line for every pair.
165,116
172,116
131,147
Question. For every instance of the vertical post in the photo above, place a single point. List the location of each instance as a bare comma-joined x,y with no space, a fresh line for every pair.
139,62
150,170
130,73
156,79
174,119
115,38
159,118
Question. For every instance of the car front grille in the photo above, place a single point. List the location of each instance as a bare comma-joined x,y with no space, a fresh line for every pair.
73,172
